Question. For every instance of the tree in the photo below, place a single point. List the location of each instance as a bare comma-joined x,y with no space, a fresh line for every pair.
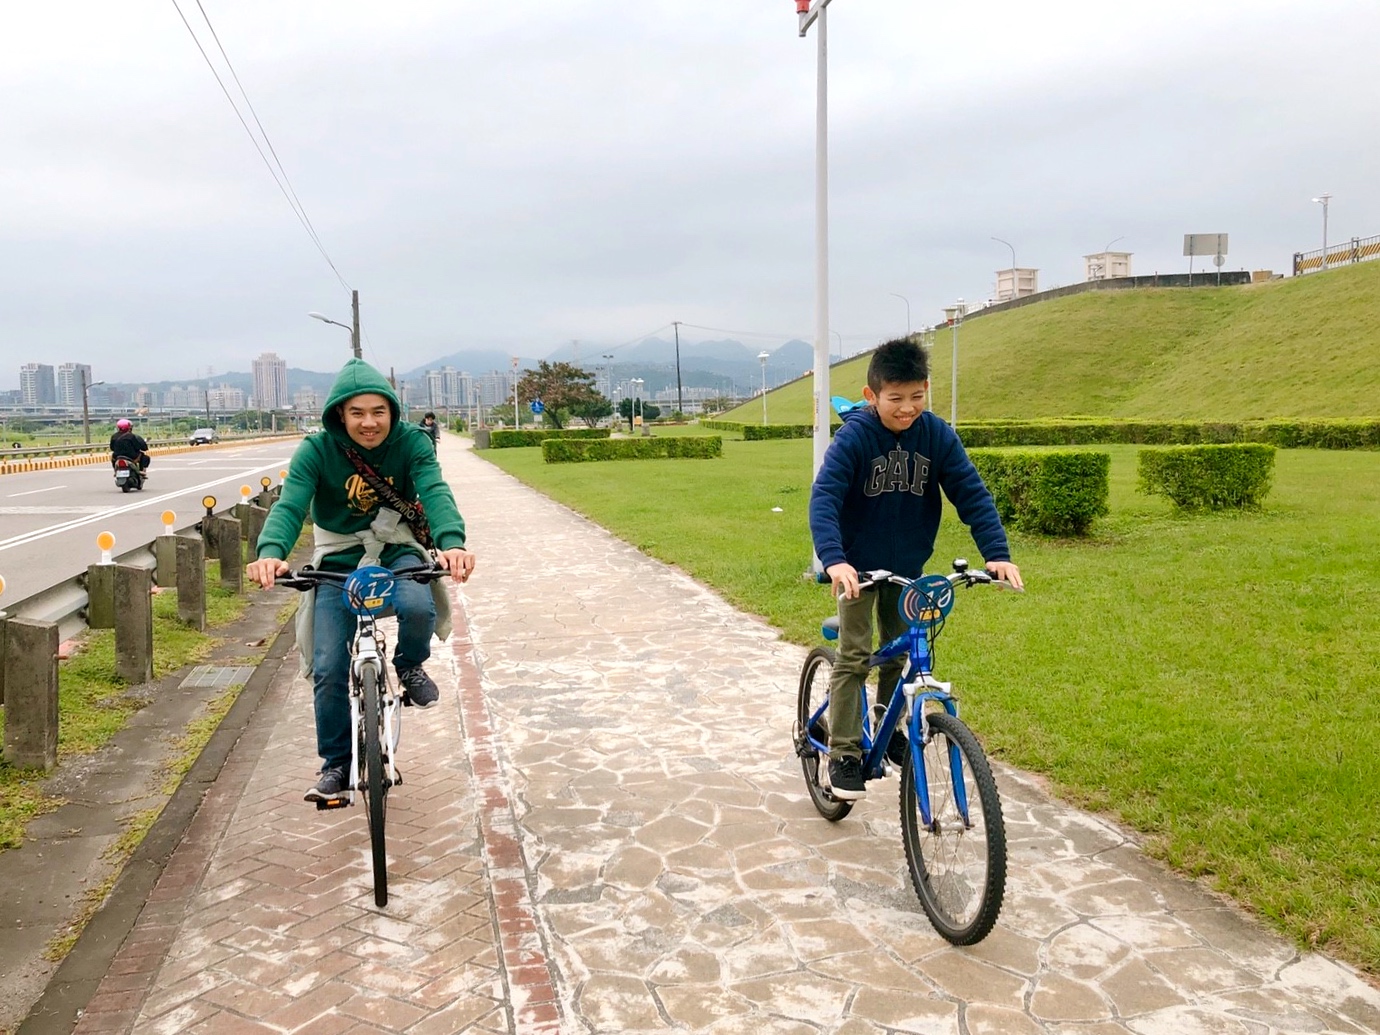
593,412
645,410
561,387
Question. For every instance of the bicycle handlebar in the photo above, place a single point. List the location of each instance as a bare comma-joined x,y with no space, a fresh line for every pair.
961,575
309,578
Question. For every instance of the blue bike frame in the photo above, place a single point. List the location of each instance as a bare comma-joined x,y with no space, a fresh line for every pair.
913,644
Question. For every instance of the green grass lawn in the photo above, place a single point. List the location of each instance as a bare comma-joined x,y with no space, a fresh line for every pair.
1209,680
1301,347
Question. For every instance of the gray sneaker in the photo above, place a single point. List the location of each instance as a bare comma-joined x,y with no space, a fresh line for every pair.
330,786
419,689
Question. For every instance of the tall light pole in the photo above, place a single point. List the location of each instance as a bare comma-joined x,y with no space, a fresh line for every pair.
86,405
764,356
954,314
608,372
680,397
808,12
1322,200
906,300
517,421
354,331
1015,289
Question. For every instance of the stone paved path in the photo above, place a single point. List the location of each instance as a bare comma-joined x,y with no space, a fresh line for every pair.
603,829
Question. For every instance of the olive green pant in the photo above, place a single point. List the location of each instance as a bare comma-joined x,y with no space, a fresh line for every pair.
850,668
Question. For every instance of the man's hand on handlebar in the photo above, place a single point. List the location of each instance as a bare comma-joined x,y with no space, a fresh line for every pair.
1007,571
460,563
843,580
265,570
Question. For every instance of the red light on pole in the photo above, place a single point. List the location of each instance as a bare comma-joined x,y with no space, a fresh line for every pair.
802,6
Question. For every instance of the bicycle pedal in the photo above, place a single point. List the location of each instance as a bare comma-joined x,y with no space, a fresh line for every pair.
331,803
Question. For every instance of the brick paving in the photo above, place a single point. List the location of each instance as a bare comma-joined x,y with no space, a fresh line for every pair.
603,829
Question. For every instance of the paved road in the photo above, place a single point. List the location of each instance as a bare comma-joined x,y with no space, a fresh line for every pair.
49,519
603,829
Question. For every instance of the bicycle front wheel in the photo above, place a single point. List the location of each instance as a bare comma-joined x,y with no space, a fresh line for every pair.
813,715
958,859
375,782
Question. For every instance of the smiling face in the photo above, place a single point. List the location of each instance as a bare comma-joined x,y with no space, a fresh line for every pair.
899,404
367,419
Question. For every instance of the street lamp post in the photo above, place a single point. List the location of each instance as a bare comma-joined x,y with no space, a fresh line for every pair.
764,356
809,12
1322,199
86,405
354,331
954,314
906,300
1015,290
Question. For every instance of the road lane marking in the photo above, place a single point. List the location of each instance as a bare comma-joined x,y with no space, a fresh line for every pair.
31,492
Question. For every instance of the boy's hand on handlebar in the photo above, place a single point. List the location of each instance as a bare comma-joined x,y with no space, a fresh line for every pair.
265,570
843,579
1007,571
460,563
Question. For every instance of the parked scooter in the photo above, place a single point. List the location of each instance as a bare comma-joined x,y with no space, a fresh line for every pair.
127,474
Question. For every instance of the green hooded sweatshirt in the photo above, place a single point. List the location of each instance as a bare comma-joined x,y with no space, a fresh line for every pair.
321,477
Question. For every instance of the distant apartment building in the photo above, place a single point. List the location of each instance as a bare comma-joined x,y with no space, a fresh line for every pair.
1106,265
307,400
72,379
447,388
270,382
185,397
494,388
37,385
1017,282
143,397
225,399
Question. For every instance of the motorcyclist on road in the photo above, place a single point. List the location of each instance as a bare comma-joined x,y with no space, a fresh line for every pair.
127,443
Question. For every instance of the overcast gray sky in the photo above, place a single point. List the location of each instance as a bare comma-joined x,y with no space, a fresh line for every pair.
516,175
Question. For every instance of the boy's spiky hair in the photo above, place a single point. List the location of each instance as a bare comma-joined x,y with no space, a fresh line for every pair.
897,362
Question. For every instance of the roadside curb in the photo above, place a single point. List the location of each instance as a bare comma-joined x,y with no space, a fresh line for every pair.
74,984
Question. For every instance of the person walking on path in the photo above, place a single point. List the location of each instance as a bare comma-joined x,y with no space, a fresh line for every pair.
376,496
875,505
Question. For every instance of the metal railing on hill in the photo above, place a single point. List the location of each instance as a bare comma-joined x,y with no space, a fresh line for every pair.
1358,249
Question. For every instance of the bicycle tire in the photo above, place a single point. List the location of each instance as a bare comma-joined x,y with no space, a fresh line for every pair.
814,690
375,787
958,870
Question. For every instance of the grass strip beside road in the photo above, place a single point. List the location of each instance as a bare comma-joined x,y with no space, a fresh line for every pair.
1207,680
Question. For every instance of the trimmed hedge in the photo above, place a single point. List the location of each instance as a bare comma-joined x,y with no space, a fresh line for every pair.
723,425
1208,477
1286,434
565,450
1047,493
510,438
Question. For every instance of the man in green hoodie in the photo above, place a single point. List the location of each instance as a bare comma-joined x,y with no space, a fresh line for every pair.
353,527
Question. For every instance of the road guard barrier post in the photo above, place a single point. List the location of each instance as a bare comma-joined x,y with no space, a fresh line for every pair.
100,587
133,623
191,581
165,553
31,684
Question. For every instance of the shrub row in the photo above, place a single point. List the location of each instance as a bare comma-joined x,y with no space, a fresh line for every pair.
723,425
1286,434
510,438
1047,493
1208,477
565,450
758,432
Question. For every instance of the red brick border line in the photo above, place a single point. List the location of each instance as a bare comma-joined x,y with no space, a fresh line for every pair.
528,972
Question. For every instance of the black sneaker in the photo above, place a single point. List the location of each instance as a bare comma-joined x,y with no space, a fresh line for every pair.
330,786
846,778
419,689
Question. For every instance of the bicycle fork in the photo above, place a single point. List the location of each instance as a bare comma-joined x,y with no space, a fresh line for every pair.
921,735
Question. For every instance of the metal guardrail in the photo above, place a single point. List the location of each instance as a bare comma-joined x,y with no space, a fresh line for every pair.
103,448
1358,249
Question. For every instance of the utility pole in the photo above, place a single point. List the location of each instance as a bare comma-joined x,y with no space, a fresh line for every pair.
680,396
354,331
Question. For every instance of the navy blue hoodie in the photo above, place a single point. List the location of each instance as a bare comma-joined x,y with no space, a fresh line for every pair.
874,503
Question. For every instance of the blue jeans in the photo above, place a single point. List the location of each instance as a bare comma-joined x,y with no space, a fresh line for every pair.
334,628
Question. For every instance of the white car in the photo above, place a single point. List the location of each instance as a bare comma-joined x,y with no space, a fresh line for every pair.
202,436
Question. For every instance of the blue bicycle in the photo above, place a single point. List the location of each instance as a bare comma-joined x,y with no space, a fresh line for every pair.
951,819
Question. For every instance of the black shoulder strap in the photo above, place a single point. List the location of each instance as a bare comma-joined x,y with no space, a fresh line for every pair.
412,513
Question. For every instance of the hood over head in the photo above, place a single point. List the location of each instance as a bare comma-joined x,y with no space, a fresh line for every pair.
358,378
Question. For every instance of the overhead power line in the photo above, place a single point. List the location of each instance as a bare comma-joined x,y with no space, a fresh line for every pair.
279,174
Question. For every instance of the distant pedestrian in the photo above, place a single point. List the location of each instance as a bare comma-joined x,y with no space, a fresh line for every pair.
429,425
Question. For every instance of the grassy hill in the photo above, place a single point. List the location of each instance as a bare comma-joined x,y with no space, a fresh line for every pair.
1301,347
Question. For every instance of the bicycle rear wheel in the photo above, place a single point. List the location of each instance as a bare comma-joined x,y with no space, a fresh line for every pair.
814,691
958,867
375,782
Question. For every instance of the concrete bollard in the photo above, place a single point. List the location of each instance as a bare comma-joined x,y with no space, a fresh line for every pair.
31,680
4,620
191,581
254,518
229,553
133,623
208,526
100,596
165,556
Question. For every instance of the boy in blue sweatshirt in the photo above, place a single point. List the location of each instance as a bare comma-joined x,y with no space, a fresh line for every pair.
875,504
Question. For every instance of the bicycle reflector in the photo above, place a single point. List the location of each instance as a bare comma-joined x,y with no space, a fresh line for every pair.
369,590
926,600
